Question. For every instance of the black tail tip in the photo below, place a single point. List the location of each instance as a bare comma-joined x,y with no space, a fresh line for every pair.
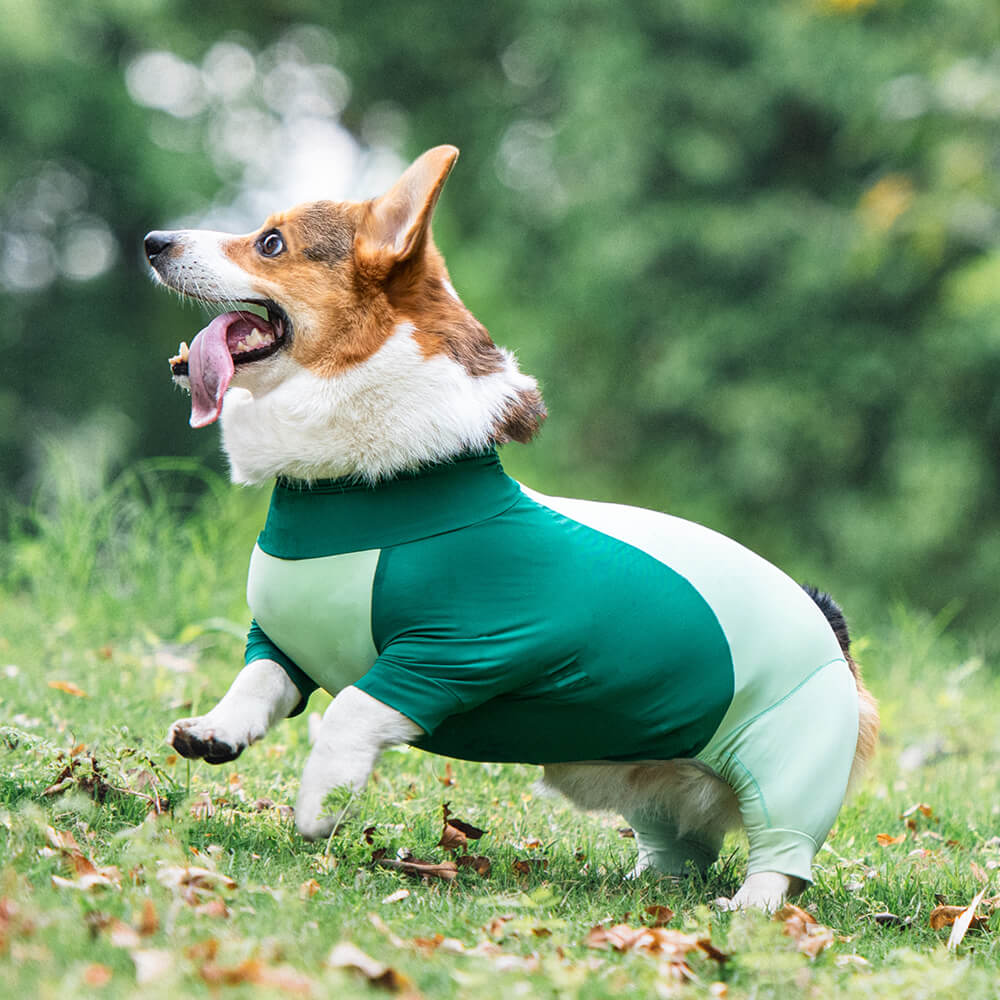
831,609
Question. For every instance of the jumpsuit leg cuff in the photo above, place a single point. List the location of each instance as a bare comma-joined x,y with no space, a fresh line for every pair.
786,851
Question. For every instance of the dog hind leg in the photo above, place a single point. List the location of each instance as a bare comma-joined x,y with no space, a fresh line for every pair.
789,769
664,848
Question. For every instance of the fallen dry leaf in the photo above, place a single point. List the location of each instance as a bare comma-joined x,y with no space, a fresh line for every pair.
308,889
97,975
69,687
124,935
961,919
662,915
885,839
445,870
525,866
253,970
481,865
809,936
203,951
918,807
670,944
448,778
149,922
397,896
456,833
348,956
203,807
88,875
193,883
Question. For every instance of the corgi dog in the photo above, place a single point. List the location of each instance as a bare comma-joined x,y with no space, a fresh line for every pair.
651,665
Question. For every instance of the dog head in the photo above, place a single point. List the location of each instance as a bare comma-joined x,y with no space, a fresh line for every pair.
359,358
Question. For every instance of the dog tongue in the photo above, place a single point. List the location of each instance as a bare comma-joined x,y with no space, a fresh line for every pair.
210,363
210,369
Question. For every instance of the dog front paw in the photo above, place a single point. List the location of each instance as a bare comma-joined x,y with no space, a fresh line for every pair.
199,739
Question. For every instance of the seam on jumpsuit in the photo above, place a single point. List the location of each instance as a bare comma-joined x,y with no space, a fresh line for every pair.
734,757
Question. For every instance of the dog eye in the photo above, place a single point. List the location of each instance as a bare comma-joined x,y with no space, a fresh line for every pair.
270,244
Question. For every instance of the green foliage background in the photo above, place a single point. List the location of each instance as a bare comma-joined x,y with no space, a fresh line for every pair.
751,250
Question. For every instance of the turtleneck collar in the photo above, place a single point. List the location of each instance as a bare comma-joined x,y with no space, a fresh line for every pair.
332,516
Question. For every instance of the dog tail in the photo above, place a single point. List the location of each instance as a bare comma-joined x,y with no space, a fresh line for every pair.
868,720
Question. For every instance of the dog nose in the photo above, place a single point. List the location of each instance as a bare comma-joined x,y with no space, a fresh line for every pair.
156,243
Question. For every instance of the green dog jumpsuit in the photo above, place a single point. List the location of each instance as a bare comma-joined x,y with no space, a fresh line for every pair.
512,626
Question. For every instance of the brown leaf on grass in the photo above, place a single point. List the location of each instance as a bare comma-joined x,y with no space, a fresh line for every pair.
674,946
961,919
308,889
253,970
452,839
525,866
88,875
213,908
193,883
62,840
480,864
448,778
84,772
428,945
809,936
445,870
662,915
885,839
123,935
456,832
348,956
964,921
203,951
202,807
149,922
979,873
918,807
69,688
97,975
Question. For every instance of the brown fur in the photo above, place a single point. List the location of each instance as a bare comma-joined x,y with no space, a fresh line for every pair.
353,296
868,726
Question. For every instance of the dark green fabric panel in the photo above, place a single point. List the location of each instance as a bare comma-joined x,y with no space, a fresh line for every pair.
530,637
328,517
260,647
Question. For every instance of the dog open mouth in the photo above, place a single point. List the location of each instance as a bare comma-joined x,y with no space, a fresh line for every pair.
234,338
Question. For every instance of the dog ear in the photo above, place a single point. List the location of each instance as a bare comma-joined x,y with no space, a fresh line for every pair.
396,224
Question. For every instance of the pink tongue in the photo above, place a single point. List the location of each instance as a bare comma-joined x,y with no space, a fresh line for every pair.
210,365
210,369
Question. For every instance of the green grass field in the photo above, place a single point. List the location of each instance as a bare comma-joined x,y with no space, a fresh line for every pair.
124,871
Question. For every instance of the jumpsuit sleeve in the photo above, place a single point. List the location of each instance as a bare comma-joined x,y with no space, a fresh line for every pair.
260,647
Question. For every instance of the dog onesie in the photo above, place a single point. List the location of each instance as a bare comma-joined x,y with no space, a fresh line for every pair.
512,626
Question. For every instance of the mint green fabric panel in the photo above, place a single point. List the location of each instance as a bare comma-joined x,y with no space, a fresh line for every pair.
317,612
789,768
260,647
531,637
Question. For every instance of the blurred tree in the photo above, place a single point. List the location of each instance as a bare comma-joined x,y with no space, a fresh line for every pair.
753,251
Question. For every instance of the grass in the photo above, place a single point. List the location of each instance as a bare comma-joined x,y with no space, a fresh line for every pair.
122,608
